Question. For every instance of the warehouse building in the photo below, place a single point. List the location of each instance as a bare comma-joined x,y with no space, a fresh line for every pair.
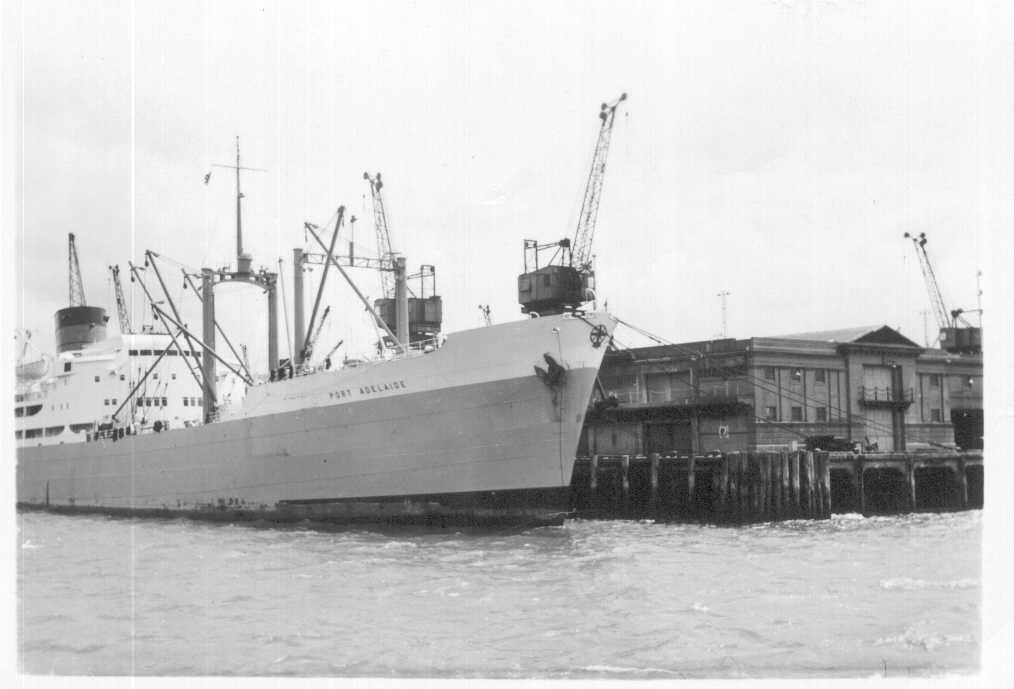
870,388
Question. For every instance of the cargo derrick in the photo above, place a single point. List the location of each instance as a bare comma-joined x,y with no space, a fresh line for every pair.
306,337
567,281
954,338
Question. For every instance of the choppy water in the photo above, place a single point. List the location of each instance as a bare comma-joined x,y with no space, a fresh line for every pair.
852,596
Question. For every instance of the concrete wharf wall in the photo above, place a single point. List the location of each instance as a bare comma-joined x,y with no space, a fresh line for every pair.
742,487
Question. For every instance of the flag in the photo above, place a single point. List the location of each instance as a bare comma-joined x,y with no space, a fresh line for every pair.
207,178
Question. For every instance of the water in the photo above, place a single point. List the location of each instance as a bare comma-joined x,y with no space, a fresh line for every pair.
848,597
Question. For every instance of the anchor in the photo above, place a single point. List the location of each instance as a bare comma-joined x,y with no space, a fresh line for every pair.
552,376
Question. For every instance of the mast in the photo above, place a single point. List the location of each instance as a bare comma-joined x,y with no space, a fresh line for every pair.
239,210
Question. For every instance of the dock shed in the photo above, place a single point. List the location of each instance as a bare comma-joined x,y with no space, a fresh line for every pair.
868,387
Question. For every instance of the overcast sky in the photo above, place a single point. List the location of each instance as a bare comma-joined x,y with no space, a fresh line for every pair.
777,150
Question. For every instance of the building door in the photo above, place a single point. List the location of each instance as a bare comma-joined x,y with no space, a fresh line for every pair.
968,428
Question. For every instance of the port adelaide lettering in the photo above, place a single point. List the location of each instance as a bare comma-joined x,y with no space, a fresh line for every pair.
367,389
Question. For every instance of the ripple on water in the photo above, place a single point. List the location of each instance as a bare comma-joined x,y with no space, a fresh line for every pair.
588,599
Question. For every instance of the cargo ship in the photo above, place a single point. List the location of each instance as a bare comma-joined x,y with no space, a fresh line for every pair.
475,427
468,432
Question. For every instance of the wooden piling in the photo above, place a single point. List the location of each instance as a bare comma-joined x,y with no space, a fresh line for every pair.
723,487
962,483
593,482
776,484
818,479
827,485
753,468
786,485
910,475
734,499
625,483
861,483
765,477
744,486
653,497
794,468
823,498
810,501
691,484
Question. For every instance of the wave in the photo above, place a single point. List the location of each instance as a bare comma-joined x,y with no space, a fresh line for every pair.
909,584
928,641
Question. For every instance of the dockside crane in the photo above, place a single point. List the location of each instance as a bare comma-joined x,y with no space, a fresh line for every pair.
121,302
567,281
955,338
384,252
77,295
425,314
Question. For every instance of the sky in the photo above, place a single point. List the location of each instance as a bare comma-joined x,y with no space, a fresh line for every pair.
774,150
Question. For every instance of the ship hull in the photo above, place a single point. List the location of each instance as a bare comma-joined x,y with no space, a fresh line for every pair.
469,447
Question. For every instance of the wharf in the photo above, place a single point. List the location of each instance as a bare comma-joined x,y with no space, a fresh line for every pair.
742,487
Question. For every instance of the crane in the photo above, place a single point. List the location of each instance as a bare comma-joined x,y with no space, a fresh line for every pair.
932,286
121,303
77,296
568,279
384,252
953,338
581,245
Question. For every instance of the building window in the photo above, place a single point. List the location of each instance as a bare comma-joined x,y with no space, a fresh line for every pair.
165,402
936,416
771,413
769,373
173,376
934,380
200,402
154,376
145,352
96,379
820,376
821,413
107,402
147,401
66,367
114,401
132,352
123,377
186,401
797,413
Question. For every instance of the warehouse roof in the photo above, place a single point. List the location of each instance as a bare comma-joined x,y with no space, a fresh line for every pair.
873,334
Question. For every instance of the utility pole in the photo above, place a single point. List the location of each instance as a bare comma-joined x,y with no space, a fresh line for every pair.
723,295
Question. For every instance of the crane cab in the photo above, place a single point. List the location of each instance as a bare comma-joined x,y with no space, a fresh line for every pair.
554,289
